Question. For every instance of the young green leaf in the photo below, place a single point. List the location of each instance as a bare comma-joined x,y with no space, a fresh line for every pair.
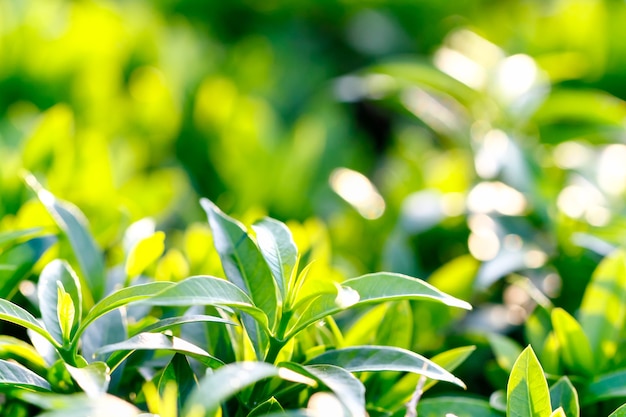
54,310
93,379
455,406
242,260
75,226
66,313
573,342
375,288
564,395
278,249
527,390
348,389
14,375
144,252
558,413
384,358
603,308
17,315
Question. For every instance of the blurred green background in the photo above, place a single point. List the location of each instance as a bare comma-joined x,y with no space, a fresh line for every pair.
478,144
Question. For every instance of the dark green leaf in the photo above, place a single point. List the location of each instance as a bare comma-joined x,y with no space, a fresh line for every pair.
402,390
157,341
15,314
348,389
177,321
14,375
80,405
370,289
620,412
7,239
505,349
123,297
384,358
179,371
206,290
602,387
563,394
455,405
242,260
225,382
18,261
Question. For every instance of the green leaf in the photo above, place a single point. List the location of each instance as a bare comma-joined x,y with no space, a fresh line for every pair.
271,405
563,394
74,225
122,297
384,358
144,252
14,375
80,405
455,405
573,342
13,348
55,273
93,379
207,290
558,413
66,313
18,261
620,412
603,308
527,390
348,389
157,341
179,371
15,314
177,321
225,382
242,260
605,386
279,250
374,288
506,350
8,239
402,390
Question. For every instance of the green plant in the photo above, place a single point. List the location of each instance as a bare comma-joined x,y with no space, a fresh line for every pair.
270,340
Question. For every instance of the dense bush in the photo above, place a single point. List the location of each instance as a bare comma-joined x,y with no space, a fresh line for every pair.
476,145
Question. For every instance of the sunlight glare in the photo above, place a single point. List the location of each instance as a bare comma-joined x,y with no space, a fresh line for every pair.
612,169
358,190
